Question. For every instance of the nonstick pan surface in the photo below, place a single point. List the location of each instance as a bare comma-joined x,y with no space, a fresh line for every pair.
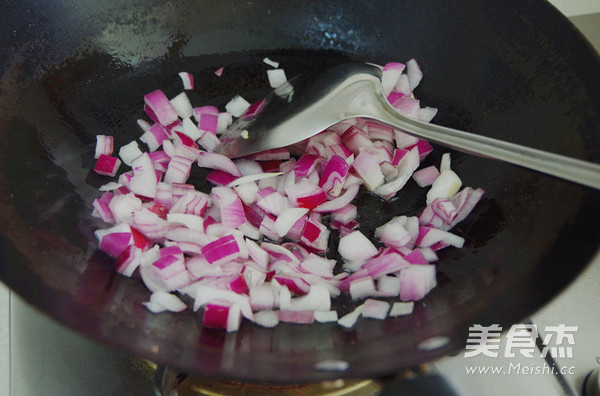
514,70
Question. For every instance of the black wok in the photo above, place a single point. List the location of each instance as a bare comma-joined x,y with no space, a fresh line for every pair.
511,69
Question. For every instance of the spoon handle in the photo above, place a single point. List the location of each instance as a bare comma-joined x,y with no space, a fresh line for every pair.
575,170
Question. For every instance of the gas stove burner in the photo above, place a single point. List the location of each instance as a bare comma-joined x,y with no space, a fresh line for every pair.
175,383
422,380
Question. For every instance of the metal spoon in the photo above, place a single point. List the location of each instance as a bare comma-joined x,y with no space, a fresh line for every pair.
295,112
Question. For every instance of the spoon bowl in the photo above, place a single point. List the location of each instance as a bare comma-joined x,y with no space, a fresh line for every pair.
302,108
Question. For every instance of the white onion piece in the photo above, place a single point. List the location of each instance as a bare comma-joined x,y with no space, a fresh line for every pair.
218,161
350,319
356,247
205,294
363,287
414,74
401,308
129,152
122,206
191,221
190,129
393,234
403,86
161,108
445,162
248,167
298,317
430,236
317,299
209,142
276,77
237,106
426,176
416,281
426,114
154,307
326,316
183,107
390,75
152,281
247,192
167,301
367,166
445,186
144,180
262,298
339,202
104,145
388,286
287,218
252,178
145,125
375,309
406,167
187,80
266,319
110,186
271,62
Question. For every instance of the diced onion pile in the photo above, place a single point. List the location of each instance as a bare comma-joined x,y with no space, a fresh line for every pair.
255,246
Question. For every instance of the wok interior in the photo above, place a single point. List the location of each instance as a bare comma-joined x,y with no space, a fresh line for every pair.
488,67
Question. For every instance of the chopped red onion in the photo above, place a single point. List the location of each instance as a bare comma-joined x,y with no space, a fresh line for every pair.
104,145
315,235
305,194
187,79
375,309
154,136
178,170
222,315
107,165
204,244
298,317
161,107
416,281
426,176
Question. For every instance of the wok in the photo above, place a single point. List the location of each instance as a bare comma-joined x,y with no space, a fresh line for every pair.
514,70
